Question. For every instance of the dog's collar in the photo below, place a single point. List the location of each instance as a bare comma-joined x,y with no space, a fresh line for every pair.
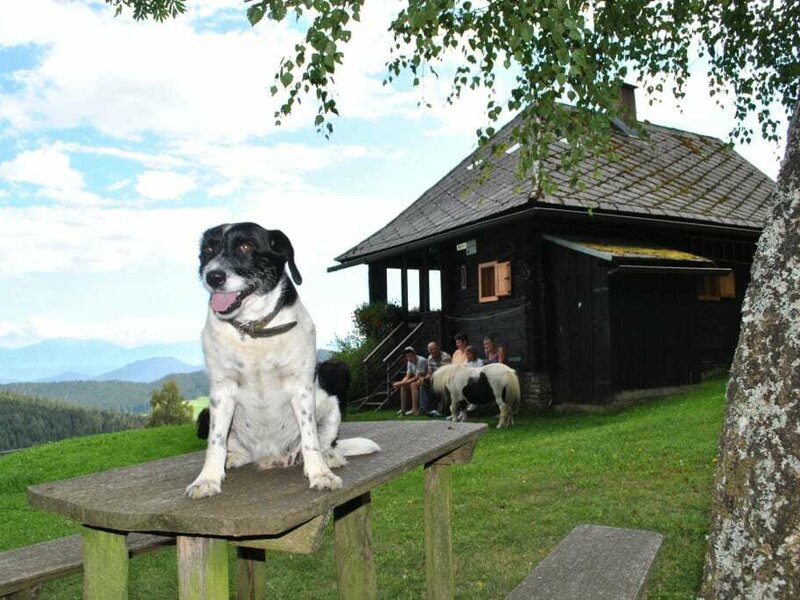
259,329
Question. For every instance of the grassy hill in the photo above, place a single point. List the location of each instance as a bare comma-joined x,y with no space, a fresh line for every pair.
116,396
26,421
647,467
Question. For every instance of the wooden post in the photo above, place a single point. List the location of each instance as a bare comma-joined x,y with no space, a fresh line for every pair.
105,564
202,568
438,536
404,287
376,278
355,566
251,574
424,285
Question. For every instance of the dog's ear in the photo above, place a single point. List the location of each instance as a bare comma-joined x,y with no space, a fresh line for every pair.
279,243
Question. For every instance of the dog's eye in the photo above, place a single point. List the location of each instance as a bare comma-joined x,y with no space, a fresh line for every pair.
245,247
208,250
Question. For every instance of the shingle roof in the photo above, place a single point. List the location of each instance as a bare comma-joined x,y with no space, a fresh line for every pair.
670,173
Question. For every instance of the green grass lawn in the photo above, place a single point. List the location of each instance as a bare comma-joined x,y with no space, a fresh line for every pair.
197,405
649,467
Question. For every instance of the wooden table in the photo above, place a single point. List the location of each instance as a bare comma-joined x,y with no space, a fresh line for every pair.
262,510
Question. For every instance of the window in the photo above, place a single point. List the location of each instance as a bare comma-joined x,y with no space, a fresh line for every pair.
494,281
727,286
715,287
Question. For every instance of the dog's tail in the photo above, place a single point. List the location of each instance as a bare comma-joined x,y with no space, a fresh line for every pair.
356,446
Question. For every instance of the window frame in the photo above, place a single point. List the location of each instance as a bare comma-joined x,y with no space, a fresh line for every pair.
500,277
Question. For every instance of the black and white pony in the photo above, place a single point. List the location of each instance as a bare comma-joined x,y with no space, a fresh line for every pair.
461,384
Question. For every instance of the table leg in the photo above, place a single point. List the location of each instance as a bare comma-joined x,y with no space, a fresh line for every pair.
251,574
105,565
355,566
438,536
202,568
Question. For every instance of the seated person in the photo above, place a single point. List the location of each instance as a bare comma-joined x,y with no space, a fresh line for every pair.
493,352
436,359
472,357
409,385
460,355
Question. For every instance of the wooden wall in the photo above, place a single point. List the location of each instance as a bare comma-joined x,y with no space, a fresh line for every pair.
578,326
512,324
653,331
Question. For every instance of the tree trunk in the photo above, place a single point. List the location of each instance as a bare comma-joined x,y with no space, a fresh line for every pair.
754,543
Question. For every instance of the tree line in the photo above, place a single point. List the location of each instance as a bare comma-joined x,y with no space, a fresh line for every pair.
116,396
26,421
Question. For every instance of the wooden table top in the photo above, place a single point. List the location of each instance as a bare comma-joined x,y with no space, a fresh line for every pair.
150,497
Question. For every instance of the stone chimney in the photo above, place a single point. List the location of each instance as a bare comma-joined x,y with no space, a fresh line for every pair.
627,100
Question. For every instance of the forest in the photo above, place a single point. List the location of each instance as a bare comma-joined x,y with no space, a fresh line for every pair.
115,396
26,421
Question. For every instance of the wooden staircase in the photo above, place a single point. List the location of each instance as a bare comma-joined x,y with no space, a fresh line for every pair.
386,364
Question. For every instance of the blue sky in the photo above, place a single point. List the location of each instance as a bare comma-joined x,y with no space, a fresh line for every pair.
121,142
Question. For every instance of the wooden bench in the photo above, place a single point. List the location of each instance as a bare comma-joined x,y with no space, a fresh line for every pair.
594,563
24,570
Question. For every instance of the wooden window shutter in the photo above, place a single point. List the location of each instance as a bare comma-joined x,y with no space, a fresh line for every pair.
708,288
727,286
502,275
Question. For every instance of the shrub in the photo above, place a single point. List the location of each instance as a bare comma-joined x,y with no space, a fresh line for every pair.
168,407
371,323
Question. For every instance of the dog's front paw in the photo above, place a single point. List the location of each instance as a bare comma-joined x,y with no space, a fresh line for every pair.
324,480
203,488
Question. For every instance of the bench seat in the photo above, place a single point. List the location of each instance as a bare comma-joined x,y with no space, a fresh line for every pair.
26,568
594,562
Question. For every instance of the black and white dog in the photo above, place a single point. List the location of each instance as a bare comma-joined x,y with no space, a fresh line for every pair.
260,350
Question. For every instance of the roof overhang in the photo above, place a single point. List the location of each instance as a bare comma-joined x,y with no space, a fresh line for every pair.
634,257
546,212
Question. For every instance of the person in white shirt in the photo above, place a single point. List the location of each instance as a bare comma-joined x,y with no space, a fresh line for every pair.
472,357
416,371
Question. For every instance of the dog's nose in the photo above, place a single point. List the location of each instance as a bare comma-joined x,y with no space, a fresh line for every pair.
215,278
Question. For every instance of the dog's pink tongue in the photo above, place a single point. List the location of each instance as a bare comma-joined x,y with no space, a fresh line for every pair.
221,301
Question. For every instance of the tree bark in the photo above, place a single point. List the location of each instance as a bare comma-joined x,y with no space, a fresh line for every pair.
754,543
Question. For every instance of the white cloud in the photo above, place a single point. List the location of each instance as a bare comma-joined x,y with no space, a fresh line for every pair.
276,164
49,169
46,167
131,87
122,330
61,240
119,184
164,185
181,78
151,160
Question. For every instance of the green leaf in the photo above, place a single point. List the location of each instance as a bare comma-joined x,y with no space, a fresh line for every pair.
255,13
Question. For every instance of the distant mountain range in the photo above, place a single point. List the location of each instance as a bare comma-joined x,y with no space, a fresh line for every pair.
60,359
68,359
149,369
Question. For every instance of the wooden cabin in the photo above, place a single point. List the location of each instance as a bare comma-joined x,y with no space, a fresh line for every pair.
633,282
